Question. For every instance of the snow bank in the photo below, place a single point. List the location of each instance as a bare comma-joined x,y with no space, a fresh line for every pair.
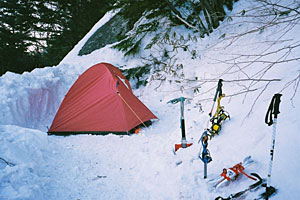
31,99
22,154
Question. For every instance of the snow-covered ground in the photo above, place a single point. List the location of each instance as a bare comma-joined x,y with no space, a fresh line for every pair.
36,166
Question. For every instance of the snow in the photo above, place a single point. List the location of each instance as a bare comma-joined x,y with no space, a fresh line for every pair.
36,166
25,149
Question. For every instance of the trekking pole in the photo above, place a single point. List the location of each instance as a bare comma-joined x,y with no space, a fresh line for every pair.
184,143
273,109
218,91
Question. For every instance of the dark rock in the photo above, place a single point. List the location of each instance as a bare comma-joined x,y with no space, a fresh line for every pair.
106,34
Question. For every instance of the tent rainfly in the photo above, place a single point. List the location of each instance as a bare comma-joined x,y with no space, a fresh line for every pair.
100,102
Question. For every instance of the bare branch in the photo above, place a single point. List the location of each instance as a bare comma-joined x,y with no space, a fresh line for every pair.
280,6
7,163
296,81
178,15
236,80
256,99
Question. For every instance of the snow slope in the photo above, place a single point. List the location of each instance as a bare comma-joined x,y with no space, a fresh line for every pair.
36,166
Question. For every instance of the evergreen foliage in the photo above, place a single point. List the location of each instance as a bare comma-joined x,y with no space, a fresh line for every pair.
80,16
36,33
177,12
17,20
140,74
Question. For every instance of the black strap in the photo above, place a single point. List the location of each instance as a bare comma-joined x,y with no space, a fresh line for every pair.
273,109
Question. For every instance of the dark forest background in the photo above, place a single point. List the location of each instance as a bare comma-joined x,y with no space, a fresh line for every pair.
39,33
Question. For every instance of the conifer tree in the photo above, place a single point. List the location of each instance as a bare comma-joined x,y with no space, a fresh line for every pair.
37,33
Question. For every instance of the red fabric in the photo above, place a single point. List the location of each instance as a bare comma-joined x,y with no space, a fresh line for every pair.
178,146
237,169
224,174
93,105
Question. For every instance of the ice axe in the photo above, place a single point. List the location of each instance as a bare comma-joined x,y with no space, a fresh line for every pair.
184,143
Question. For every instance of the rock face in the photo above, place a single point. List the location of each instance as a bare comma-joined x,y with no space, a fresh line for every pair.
106,34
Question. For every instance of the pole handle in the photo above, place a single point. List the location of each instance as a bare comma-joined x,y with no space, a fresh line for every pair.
276,104
273,109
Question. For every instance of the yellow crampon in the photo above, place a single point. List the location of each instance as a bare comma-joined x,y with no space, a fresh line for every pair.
218,118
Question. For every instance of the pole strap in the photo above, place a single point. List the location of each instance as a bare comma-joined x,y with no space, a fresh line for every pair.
273,109
131,110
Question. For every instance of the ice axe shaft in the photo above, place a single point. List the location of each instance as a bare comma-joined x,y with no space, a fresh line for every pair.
184,143
218,91
205,170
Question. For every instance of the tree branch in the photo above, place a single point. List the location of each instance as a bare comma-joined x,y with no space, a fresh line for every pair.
178,15
235,80
7,163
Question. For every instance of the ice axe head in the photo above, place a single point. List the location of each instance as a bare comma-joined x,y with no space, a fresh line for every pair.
180,99
184,145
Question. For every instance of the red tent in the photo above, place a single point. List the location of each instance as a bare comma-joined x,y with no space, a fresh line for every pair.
100,101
